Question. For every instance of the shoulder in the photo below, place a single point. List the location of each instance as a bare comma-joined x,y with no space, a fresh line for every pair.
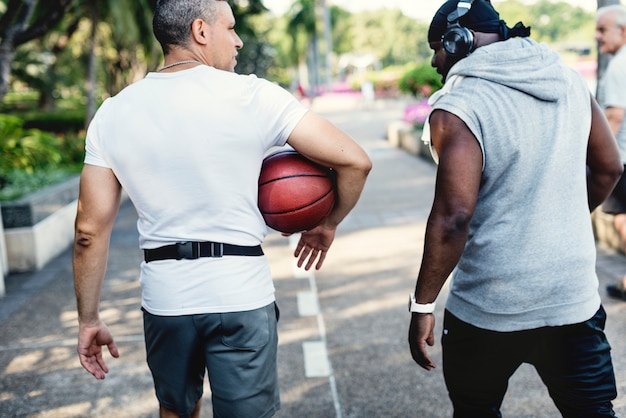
447,124
617,64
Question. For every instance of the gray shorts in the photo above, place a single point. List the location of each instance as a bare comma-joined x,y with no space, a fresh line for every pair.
238,350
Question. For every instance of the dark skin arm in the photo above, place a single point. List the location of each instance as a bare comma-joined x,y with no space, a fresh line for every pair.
458,181
604,165
456,192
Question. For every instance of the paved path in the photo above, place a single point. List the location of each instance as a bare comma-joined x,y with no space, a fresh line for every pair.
343,350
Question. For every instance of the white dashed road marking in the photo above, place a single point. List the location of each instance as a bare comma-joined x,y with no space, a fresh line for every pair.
316,360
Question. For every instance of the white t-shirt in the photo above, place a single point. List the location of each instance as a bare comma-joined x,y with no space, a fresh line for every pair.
613,92
187,147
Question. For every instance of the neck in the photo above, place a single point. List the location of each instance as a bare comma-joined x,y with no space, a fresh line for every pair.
482,39
180,63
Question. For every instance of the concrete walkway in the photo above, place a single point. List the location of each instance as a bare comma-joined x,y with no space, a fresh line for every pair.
343,330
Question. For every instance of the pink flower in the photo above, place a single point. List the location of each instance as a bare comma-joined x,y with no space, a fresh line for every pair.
417,113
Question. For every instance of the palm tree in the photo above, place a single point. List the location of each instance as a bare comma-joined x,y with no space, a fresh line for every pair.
130,36
136,50
303,22
256,57
22,22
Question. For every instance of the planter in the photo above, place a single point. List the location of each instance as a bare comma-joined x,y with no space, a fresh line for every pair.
403,135
40,226
604,230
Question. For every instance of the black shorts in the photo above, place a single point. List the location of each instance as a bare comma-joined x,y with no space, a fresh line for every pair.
616,202
573,361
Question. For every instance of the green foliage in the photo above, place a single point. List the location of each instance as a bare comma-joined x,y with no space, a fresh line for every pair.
550,21
58,121
26,149
253,26
394,38
302,27
341,30
51,72
257,55
420,80
17,183
31,158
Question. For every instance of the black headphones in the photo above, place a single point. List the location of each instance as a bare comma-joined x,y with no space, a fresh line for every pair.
457,40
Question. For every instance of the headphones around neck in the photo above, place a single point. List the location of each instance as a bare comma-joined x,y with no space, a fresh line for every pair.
457,40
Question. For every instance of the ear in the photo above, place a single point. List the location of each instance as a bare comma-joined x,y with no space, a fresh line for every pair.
199,31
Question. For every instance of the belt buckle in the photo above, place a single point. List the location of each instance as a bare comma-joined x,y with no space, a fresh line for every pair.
217,249
189,250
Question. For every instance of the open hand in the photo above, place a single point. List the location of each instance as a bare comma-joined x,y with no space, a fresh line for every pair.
420,335
91,338
314,245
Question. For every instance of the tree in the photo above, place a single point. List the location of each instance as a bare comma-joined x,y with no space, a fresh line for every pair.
550,21
390,35
24,21
109,43
122,31
341,30
37,65
256,55
302,27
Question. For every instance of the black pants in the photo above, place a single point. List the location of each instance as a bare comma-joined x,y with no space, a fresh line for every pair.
573,361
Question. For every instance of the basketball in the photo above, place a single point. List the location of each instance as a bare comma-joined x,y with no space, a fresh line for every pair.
295,194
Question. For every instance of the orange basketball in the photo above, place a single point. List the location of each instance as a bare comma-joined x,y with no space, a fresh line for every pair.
295,194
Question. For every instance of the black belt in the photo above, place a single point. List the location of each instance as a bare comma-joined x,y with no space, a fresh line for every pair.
191,250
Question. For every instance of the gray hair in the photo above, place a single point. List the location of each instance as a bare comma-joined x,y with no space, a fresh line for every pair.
173,18
618,10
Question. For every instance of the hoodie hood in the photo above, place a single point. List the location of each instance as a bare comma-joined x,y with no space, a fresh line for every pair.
521,64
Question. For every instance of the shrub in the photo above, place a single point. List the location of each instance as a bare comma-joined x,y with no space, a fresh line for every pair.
26,149
60,121
420,81
31,158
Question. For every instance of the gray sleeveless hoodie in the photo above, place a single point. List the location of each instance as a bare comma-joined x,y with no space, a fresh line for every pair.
529,261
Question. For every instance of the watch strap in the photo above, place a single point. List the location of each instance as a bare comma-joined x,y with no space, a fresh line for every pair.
425,308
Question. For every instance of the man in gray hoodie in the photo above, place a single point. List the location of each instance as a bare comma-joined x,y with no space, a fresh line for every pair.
524,154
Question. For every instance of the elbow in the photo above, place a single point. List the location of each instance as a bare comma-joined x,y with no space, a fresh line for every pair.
366,165
618,171
609,173
362,163
357,168
617,174
452,225
614,173
82,240
85,235
459,223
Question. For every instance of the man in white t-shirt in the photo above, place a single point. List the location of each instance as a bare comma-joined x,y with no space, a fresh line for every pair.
186,143
611,37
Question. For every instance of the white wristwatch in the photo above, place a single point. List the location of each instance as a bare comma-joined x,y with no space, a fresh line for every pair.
420,307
